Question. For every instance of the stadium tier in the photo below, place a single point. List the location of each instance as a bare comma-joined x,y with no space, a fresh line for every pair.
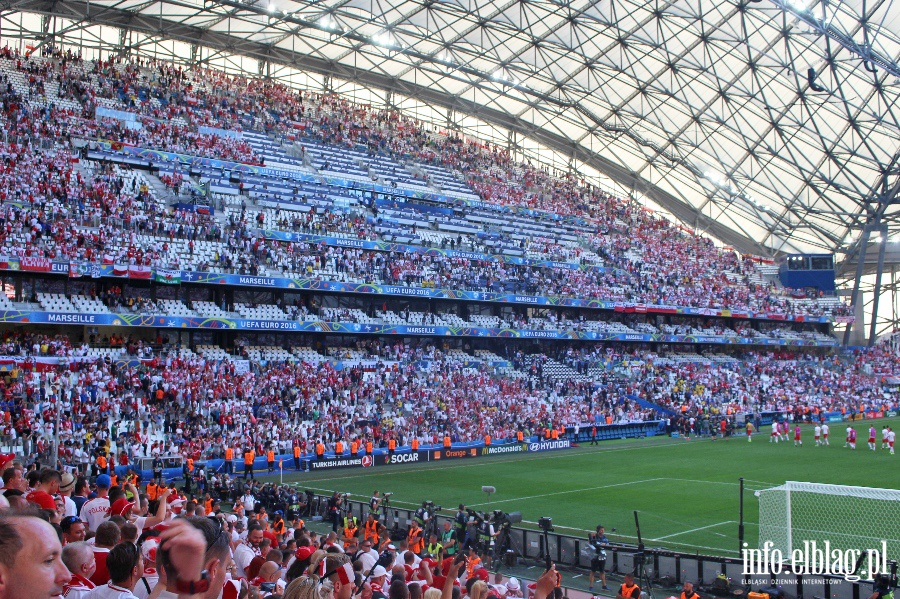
261,194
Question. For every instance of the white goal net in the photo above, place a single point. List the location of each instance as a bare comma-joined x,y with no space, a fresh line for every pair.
795,514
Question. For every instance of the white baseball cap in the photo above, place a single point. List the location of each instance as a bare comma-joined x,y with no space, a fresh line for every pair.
378,572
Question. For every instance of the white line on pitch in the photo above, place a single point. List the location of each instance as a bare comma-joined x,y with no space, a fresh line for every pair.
489,463
634,482
693,530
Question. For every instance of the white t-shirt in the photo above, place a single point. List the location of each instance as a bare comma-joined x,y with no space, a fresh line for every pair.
95,512
368,560
71,508
243,555
110,591
140,589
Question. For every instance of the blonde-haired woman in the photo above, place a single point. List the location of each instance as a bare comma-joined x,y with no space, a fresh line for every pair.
479,590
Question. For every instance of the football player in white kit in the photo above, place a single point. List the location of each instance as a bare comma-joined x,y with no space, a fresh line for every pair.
818,435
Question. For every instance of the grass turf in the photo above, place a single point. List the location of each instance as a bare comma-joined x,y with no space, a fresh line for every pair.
686,491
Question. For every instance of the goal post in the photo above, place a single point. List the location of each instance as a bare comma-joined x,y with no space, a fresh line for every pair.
795,514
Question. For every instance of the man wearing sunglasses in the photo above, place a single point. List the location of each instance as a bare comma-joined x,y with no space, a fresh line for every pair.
73,529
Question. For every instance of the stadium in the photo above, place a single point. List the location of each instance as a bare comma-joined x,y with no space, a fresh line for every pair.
561,264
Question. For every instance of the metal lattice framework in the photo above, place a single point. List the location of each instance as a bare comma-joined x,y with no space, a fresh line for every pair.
706,107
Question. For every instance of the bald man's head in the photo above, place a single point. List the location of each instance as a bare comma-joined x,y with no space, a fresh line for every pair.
269,571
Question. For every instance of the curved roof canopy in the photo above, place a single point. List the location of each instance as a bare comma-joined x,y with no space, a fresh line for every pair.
772,124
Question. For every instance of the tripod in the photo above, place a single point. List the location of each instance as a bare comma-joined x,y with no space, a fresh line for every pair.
639,558
505,545
385,513
544,545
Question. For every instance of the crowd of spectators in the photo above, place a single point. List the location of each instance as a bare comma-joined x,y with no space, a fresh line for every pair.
164,402
649,259
121,538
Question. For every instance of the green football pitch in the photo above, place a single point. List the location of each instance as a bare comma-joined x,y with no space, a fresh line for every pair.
686,491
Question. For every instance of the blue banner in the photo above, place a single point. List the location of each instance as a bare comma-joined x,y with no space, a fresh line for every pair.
244,324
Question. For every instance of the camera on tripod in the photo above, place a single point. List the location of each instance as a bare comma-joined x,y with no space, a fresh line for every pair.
546,524
476,517
429,505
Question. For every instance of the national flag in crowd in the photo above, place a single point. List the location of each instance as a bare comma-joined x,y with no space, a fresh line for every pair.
167,276
137,271
120,270
77,270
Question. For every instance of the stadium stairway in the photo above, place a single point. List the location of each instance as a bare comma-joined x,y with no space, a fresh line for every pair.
652,406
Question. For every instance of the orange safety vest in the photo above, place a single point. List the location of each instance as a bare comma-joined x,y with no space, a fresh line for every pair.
278,528
415,444
547,434
473,562
229,454
520,436
101,462
354,447
152,491
415,546
368,447
270,456
207,505
392,444
248,458
349,533
554,434
339,447
487,439
370,532
190,465
320,449
296,451
113,480
446,441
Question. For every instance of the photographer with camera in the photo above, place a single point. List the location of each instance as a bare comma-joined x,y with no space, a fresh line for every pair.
460,522
422,516
334,510
486,536
598,561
